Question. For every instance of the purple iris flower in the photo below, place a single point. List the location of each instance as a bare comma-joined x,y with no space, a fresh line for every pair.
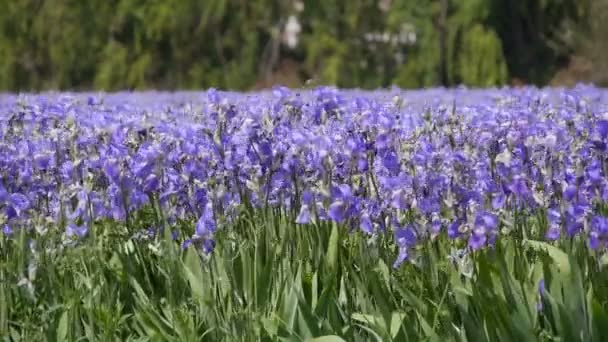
594,174
205,226
485,230
307,197
143,169
7,230
19,201
486,220
595,241
42,161
3,194
186,243
151,183
435,227
554,219
76,230
602,128
208,245
343,203
118,213
599,232
391,162
362,165
112,171
478,239
67,170
428,205
454,229
541,293
405,238
399,200
304,215
366,224
402,256
519,188
573,226
570,192
553,233
337,211
498,200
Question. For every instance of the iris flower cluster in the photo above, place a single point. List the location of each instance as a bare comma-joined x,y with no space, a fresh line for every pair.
415,165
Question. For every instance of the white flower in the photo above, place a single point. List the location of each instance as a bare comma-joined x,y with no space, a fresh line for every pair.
291,32
298,6
384,5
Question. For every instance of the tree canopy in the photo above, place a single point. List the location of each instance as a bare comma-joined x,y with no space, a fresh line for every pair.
240,44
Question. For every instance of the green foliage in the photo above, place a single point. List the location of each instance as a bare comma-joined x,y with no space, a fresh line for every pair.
537,35
272,280
119,44
591,47
480,60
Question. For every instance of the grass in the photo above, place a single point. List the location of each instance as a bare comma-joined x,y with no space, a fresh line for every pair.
272,280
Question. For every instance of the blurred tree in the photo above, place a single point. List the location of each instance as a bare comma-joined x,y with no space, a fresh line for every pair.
476,50
171,44
537,34
594,46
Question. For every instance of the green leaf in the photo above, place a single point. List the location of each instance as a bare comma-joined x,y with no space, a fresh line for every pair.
332,250
290,307
376,324
62,327
396,322
306,323
194,273
384,272
371,332
327,338
426,327
364,318
315,290
600,321
270,325
604,260
560,257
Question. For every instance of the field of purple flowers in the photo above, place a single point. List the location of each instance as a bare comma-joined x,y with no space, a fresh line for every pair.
295,215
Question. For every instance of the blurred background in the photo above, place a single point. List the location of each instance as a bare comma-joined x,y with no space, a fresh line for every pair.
253,44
